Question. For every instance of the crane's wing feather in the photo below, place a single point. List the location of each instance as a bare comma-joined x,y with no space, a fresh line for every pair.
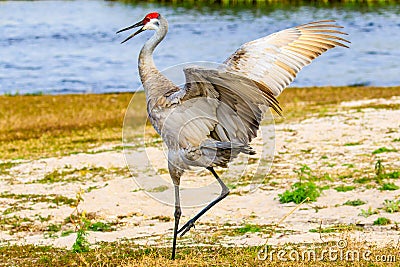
274,60
236,104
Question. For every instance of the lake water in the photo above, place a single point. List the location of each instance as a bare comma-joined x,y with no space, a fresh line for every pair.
57,47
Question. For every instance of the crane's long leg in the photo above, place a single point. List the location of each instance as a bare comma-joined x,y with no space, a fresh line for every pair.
224,193
177,215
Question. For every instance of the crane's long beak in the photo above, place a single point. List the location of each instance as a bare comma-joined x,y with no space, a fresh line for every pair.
131,27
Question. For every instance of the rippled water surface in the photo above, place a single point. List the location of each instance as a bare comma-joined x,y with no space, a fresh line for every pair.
71,46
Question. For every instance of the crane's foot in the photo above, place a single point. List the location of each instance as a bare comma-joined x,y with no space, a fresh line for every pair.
186,227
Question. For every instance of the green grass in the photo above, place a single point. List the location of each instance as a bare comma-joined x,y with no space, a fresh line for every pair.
348,165
389,187
391,206
382,221
344,188
299,192
79,175
368,212
15,223
323,230
100,227
160,188
335,229
391,175
67,233
248,228
81,244
383,150
53,227
5,166
353,144
357,202
362,180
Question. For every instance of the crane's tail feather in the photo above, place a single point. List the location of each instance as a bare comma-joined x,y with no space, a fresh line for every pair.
224,152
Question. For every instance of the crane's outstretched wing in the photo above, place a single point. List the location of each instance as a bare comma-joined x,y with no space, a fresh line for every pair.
274,60
218,112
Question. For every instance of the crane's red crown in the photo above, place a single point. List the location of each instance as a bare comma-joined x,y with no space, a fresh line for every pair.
153,15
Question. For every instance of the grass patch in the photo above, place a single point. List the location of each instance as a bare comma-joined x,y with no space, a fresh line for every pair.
391,175
353,144
355,203
299,192
160,188
248,228
100,227
335,229
67,232
344,188
324,187
16,224
362,180
53,227
81,244
5,166
81,175
348,165
382,221
391,206
389,187
368,212
57,176
161,218
383,150
34,198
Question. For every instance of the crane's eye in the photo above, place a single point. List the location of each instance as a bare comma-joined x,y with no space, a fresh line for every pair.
157,23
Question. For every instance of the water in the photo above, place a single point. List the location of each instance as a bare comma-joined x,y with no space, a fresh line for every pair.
57,47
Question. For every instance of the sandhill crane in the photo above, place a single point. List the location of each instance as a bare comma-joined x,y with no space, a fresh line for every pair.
227,103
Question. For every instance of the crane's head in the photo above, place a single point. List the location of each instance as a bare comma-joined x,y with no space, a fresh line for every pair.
150,22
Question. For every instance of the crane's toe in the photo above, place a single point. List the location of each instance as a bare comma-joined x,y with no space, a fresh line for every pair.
186,227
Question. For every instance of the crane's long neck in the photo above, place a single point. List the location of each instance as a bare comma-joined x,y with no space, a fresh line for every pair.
150,76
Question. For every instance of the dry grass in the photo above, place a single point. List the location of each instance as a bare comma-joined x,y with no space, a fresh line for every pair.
129,254
40,126
299,103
